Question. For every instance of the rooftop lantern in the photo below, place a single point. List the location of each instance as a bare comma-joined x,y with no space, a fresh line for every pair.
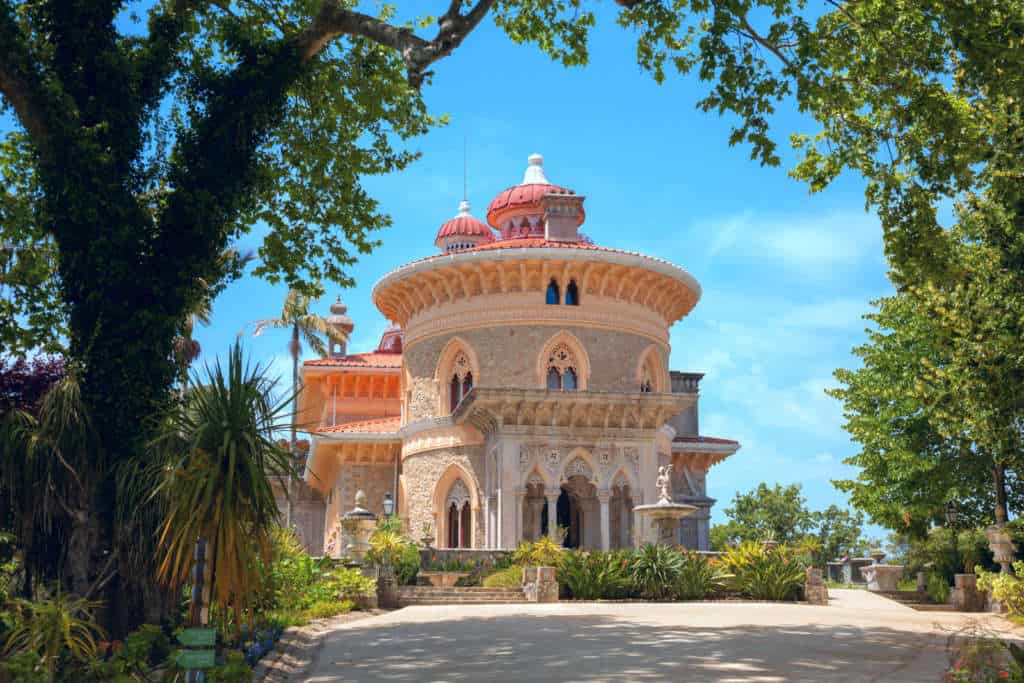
343,325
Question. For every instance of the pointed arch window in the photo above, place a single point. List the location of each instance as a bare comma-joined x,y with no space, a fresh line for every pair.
553,295
572,294
459,517
461,382
561,375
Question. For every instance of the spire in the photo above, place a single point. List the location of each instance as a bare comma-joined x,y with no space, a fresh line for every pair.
339,320
465,176
463,208
535,171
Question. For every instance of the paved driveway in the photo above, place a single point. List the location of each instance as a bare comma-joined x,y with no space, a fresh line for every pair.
859,637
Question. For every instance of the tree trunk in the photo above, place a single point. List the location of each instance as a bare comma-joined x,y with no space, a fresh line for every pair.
999,476
295,406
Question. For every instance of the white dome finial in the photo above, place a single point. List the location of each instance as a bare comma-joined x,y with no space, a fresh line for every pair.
463,208
535,171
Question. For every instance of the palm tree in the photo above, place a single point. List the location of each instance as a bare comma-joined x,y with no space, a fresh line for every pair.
214,458
308,328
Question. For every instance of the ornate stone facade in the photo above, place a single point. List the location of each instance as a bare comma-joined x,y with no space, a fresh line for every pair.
533,394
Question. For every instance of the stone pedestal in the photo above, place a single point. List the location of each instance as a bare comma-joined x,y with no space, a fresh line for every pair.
387,588
815,591
965,596
922,582
883,578
1000,541
540,584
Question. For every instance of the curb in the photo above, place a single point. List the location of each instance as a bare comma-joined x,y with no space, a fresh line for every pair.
296,650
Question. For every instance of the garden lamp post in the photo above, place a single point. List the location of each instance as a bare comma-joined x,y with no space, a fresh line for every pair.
952,515
389,504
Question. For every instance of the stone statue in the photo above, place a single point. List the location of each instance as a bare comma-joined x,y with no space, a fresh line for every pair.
665,484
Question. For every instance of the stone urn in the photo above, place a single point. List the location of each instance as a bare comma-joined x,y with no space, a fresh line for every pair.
877,555
358,525
883,578
1000,541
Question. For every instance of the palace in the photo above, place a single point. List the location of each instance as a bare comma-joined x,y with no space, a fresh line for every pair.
524,384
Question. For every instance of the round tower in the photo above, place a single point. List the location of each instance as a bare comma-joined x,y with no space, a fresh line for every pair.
342,325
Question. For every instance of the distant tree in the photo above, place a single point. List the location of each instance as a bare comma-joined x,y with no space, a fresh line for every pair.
779,513
837,531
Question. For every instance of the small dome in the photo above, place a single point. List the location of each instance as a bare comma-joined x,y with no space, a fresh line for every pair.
391,340
525,198
339,317
463,231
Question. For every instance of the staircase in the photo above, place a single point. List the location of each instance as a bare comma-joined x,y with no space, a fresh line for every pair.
470,595
914,600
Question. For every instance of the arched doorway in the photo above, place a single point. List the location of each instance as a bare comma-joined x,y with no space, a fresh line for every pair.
577,513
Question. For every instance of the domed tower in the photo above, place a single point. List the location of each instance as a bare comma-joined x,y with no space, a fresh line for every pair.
537,208
463,231
343,325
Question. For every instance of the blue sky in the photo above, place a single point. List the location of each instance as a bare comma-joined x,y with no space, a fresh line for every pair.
786,275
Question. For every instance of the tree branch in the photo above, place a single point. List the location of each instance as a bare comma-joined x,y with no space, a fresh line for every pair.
752,34
417,53
20,84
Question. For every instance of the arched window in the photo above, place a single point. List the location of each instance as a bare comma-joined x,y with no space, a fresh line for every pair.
553,294
459,516
572,295
650,372
562,369
461,382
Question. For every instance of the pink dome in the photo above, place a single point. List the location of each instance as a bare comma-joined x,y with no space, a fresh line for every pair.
521,198
463,231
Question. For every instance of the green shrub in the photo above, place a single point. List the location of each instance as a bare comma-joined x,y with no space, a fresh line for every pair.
654,571
389,547
595,575
59,629
1006,588
762,573
698,578
349,584
510,577
937,588
544,552
322,610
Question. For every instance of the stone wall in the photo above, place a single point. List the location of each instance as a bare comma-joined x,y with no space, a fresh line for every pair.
508,357
421,474
307,514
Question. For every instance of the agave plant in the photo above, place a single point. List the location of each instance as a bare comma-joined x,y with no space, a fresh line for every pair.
593,575
217,453
60,626
655,569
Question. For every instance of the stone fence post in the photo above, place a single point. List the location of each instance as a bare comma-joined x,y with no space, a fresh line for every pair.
815,591
540,584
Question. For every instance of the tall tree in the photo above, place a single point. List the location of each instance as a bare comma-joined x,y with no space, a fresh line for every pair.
779,513
923,442
142,152
304,327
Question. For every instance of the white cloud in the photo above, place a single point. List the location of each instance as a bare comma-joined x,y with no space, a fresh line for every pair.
811,245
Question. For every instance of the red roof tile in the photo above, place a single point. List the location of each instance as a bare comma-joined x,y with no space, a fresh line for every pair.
465,225
523,196
374,359
380,425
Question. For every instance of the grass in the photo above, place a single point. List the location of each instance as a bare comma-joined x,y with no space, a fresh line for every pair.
510,577
318,610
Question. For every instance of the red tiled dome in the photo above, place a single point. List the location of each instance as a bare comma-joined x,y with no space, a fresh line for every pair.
465,225
526,195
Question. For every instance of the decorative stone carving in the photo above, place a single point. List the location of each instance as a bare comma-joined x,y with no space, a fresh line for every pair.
633,456
461,366
664,483
604,458
422,398
561,358
553,458
524,457
579,467
458,494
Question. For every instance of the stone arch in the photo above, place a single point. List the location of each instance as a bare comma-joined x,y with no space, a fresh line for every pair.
456,350
451,478
579,463
568,339
650,371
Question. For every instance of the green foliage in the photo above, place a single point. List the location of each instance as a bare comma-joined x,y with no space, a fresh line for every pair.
216,455
509,577
1006,588
762,573
937,588
699,578
595,575
978,656
350,584
780,512
654,571
142,651
910,463
935,552
544,552
54,629
389,548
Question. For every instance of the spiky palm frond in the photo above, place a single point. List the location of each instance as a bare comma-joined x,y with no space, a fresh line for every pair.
219,450
53,627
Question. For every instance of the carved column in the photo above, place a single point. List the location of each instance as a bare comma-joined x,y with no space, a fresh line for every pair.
535,507
552,496
517,517
603,498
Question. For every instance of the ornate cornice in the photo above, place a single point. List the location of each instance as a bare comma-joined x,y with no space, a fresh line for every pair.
663,288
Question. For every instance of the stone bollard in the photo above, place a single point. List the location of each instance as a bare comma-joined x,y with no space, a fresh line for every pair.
387,588
965,596
922,582
540,584
815,591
